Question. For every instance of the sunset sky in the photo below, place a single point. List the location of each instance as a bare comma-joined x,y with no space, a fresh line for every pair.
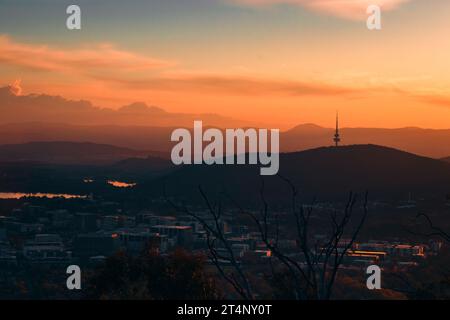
277,62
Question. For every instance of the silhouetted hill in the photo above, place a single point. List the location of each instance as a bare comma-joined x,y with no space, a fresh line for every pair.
66,153
447,159
427,142
328,173
79,177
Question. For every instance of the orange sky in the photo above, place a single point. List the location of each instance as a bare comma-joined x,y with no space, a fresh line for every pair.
276,62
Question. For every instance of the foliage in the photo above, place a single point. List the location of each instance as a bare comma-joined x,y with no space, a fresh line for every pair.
177,276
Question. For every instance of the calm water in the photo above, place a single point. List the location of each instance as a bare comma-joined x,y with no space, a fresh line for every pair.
120,184
19,195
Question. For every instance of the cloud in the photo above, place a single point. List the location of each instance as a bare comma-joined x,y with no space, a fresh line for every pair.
438,100
86,60
348,9
41,108
233,85
16,88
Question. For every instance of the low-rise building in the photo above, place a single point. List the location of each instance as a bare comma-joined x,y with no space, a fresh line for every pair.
46,249
182,235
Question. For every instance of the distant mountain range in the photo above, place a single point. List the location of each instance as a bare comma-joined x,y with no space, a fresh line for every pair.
33,117
77,153
426,142
156,139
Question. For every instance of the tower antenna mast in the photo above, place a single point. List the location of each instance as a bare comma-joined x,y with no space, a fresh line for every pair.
337,136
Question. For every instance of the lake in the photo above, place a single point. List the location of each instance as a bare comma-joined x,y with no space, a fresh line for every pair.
120,184
20,195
